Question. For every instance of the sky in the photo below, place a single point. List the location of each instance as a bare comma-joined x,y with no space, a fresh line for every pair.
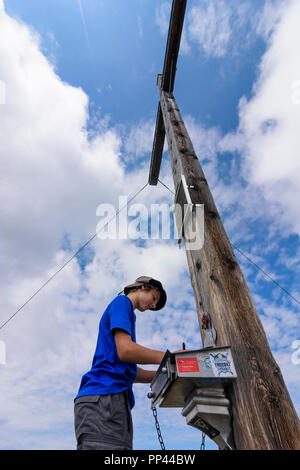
78,103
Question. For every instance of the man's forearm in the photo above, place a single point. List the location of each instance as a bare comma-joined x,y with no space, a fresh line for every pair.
138,354
144,376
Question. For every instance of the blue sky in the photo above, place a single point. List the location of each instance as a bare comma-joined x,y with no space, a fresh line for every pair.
76,131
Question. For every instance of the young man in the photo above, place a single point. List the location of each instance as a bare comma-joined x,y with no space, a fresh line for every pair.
103,404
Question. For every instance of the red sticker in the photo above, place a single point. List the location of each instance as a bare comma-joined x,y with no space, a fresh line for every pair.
187,364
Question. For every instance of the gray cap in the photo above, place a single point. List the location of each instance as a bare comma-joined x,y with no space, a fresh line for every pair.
149,281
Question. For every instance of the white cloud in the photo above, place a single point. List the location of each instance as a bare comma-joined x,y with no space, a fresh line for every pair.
269,122
209,26
223,28
270,16
162,17
205,140
139,140
184,43
46,157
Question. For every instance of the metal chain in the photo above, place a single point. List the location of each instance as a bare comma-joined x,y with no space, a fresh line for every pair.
203,441
162,445
160,438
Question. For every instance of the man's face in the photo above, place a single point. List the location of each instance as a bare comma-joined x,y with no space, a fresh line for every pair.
147,299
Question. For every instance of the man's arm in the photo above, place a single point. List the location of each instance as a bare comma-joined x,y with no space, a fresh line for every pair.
144,376
128,351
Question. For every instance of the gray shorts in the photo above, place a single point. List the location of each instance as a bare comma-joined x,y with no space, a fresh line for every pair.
103,422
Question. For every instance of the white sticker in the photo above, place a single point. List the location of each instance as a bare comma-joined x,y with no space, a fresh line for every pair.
222,364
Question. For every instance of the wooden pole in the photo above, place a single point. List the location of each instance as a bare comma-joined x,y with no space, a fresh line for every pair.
263,413
167,82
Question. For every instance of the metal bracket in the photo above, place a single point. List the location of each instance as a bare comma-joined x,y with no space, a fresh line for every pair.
183,203
210,333
207,409
188,216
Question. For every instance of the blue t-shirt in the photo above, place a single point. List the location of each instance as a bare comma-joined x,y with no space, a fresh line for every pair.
108,373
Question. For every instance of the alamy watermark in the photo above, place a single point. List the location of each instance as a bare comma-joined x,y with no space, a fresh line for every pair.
296,354
2,92
156,221
2,353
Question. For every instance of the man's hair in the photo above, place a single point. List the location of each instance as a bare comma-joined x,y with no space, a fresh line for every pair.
147,288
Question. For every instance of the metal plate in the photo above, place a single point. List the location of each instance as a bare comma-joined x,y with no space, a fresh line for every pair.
162,378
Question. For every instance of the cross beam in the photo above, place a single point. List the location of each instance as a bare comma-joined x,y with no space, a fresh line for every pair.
166,83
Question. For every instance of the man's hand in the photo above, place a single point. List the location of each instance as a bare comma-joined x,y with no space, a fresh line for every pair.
181,350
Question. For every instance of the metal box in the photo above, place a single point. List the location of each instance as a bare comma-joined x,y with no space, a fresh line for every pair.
180,373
